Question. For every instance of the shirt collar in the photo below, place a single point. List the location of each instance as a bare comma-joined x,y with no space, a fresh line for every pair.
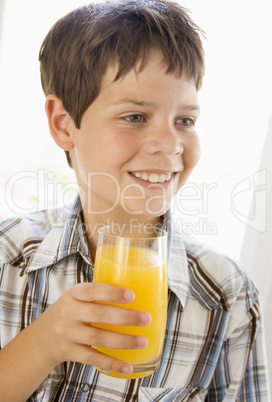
67,237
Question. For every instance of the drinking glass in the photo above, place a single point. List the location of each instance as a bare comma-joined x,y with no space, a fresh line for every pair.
140,264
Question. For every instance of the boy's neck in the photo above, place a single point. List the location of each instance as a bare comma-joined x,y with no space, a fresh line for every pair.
129,227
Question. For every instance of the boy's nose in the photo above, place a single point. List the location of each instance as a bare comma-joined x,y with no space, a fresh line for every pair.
166,140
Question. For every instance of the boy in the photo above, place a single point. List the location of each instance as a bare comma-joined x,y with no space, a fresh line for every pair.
121,80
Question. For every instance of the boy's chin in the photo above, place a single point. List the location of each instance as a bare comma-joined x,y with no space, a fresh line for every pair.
149,212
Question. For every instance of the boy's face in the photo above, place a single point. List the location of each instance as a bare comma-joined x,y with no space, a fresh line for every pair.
137,143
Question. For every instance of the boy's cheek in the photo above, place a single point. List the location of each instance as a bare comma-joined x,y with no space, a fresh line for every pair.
192,155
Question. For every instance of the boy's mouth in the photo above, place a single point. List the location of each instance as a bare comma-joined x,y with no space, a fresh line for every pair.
153,177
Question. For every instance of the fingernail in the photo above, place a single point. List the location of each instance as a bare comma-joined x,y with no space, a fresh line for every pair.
146,318
127,370
142,342
129,295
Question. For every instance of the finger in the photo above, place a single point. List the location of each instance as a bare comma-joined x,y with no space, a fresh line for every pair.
101,292
90,335
114,315
88,355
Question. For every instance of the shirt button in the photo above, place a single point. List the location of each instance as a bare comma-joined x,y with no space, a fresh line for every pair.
85,387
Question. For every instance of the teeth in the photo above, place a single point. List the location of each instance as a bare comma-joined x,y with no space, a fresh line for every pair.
153,177
162,178
144,176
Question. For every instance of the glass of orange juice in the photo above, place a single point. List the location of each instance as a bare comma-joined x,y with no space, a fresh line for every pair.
140,264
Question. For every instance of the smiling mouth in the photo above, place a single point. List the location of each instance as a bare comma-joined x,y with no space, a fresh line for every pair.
153,177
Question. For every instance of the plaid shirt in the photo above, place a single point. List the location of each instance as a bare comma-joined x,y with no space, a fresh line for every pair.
213,349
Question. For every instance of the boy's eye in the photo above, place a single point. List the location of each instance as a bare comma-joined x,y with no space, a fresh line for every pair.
185,122
134,118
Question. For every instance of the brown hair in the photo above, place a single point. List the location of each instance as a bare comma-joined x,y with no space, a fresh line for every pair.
78,49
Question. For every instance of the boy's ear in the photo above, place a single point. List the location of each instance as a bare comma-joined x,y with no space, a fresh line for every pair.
59,122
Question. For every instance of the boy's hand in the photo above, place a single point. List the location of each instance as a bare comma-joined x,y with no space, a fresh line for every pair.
67,332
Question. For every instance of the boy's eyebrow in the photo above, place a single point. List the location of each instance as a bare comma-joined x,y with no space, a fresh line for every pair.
134,102
150,104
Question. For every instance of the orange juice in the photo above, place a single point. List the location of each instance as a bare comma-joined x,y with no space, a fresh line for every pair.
141,270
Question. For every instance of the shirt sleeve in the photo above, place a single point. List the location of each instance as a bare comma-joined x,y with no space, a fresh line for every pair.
241,373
